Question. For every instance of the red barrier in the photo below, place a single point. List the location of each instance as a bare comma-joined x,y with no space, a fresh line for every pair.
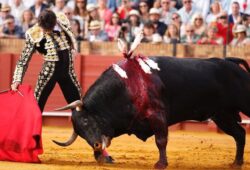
5,71
88,69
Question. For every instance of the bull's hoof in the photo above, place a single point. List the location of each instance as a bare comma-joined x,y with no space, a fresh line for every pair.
104,159
237,163
160,165
108,159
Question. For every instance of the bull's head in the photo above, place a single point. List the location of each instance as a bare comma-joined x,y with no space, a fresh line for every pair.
90,127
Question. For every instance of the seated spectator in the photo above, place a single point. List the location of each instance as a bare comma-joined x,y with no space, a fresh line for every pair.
211,37
104,12
246,22
166,12
17,8
134,22
187,11
241,38
144,11
235,17
199,24
124,8
69,13
150,36
76,29
5,11
92,16
59,5
243,4
215,10
113,28
172,35
190,37
157,4
80,12
224,28
10,30
27,20
95,33
176,20
225,4
154,17
38,7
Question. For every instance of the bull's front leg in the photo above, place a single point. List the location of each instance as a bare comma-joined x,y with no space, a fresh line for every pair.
159,126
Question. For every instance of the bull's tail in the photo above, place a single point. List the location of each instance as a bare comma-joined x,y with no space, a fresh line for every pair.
239,62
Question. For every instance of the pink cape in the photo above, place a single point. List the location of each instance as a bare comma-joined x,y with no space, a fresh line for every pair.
20,126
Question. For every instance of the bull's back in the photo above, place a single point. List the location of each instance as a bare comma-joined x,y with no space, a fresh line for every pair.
198,88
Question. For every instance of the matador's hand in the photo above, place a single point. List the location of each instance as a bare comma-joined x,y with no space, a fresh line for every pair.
14,86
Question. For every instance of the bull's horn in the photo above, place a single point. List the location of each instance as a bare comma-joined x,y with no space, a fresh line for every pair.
69,142
105,142
104,145
74,105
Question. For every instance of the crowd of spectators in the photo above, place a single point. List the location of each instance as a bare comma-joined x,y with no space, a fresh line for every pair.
213,22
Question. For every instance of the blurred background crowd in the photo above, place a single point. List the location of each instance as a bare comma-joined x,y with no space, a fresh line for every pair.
215,22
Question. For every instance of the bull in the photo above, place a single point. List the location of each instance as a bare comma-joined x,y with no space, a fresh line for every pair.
144,97
146,104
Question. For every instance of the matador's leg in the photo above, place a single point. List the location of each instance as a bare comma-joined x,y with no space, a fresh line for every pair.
45,83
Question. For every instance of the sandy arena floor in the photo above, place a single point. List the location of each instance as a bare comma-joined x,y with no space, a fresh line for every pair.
186,150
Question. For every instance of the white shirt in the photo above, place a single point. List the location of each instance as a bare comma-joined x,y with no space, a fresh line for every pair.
203,6
17,11
186,17
166,17
211,18
225,4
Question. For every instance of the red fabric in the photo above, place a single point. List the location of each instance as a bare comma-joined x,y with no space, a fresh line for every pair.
20,125
222,31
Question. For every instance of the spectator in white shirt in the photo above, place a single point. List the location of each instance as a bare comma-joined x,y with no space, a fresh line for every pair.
166,12
17,8
215,10
187,11
202,6
225,4
240,36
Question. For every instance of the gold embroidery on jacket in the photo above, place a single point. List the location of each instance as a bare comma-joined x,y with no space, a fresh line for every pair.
34,35
22,63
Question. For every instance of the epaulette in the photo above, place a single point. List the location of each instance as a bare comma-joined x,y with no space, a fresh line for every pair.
62,18
35,33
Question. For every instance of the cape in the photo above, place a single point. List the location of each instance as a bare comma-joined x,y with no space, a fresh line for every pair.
20,126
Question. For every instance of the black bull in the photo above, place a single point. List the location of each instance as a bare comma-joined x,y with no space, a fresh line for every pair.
146,104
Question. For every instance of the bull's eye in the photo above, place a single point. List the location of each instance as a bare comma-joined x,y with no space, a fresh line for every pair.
85,122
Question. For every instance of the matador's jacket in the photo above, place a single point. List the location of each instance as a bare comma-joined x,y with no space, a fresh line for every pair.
48,45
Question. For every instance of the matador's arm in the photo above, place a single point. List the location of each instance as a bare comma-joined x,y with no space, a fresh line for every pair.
22,63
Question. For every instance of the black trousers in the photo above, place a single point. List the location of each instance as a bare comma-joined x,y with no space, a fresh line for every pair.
61,72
